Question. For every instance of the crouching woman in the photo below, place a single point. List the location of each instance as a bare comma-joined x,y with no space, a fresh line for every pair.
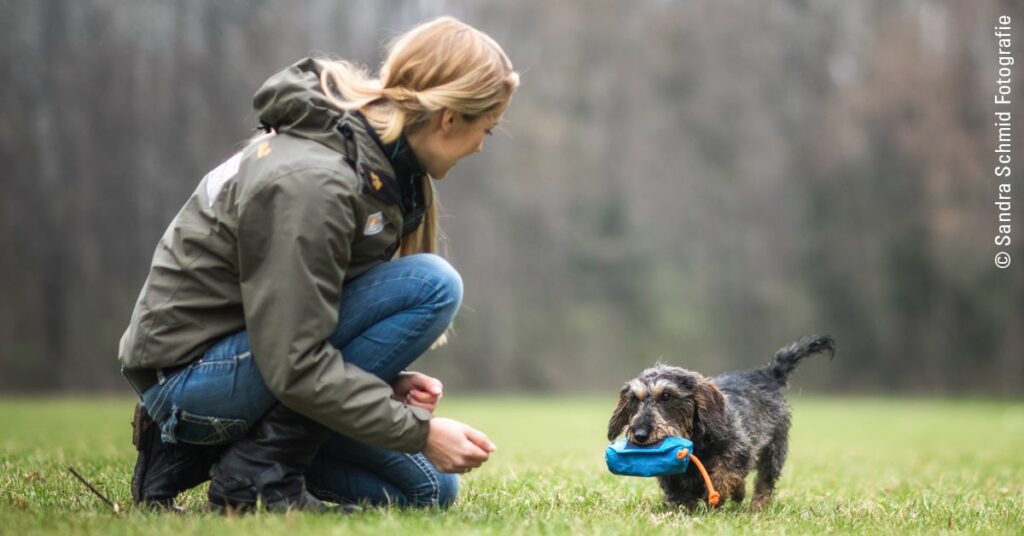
285,301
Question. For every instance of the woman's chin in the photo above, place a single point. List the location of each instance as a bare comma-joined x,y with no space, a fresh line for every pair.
440,173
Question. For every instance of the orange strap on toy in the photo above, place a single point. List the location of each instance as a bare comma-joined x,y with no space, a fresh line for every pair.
713,496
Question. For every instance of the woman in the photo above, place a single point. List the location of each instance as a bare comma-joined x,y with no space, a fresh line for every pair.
298,282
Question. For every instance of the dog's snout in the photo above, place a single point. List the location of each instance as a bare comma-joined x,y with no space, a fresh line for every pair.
641,434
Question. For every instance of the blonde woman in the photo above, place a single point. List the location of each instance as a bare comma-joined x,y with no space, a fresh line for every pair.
288,296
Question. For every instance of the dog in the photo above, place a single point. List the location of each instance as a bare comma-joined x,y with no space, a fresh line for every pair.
737,421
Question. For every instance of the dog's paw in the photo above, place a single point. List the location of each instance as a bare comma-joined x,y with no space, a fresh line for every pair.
759,502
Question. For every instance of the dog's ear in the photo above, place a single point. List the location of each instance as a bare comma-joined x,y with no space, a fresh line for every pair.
620,417
709,421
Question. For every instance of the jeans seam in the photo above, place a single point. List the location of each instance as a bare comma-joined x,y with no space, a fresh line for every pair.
227,360
434,485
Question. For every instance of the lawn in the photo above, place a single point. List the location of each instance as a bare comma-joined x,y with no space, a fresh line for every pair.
860,465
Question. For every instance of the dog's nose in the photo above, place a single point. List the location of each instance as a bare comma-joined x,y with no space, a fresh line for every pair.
641,433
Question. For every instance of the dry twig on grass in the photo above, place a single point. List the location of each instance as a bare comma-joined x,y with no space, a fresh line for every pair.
113,505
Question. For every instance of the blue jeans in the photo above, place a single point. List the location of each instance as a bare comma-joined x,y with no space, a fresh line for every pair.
389,316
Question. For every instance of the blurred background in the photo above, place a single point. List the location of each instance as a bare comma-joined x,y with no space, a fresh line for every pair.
697,182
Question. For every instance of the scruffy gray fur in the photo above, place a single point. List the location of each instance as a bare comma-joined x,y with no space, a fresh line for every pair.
738,421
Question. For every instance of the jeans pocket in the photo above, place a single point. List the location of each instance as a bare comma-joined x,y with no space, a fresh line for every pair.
203,430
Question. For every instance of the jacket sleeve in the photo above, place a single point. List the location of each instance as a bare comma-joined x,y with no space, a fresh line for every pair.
294,245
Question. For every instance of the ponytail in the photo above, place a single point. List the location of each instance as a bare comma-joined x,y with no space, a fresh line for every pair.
440,64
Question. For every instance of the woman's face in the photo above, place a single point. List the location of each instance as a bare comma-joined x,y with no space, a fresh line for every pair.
450,138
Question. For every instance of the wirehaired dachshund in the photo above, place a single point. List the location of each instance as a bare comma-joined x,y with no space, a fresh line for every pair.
736,420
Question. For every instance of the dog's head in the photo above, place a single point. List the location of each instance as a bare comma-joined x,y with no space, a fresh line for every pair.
667,401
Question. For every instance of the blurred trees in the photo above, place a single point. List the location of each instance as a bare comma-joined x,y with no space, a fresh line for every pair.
700,182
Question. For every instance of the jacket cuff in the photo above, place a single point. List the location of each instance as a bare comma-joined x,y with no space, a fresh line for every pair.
416,439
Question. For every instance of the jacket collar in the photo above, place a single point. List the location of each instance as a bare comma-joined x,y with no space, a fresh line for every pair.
412,179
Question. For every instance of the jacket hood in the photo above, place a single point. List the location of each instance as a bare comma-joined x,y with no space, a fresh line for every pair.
292,102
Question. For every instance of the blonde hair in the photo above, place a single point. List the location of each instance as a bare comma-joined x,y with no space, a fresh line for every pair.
440,64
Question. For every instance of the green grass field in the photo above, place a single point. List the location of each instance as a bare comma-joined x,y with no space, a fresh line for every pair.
872,466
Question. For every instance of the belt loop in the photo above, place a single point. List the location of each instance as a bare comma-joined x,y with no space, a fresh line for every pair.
160,377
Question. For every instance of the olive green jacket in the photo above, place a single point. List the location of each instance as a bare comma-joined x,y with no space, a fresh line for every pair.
264,244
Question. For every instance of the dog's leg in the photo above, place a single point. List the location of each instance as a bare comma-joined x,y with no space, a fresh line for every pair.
680,491
739,492
728,481
769,466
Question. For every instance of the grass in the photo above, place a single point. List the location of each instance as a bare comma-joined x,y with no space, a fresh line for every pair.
859,465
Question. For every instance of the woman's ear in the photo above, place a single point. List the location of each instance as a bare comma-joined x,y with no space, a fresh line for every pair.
447,120
621,414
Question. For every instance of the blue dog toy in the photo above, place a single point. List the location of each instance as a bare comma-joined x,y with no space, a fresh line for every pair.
661,458
669,456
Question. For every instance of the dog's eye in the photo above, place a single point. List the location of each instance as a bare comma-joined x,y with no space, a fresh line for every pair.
665,396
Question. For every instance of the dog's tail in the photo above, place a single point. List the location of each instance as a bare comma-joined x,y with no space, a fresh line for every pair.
788,357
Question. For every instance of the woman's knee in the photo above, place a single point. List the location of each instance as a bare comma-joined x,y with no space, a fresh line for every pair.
442,492
448,489
429,487
445,281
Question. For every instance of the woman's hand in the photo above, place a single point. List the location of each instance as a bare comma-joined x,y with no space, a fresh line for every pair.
418,389
454,447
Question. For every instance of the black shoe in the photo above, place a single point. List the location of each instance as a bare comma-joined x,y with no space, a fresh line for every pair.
268,466
163,470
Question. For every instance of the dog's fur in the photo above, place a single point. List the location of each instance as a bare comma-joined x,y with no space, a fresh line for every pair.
737,421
